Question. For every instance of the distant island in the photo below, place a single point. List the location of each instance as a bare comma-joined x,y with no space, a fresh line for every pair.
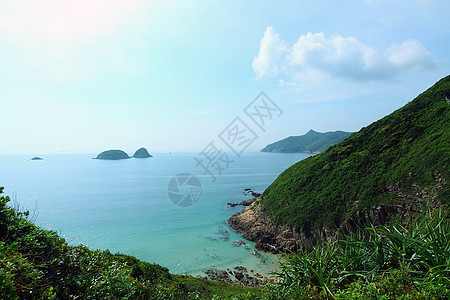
311,142
141,153
113,155
119,154
37,158
367,218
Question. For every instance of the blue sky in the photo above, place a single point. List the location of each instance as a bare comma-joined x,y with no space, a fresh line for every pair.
86,76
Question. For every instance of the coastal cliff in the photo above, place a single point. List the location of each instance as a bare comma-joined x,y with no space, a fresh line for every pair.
255,225
397,167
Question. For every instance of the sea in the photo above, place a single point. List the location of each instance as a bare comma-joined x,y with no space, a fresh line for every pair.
128,206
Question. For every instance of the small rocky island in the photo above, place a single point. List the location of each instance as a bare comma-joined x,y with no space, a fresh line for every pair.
112,155
142,153
37,158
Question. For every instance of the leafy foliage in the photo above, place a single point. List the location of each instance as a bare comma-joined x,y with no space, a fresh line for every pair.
408,149
376,263
406,152
38,264
113,155
312,141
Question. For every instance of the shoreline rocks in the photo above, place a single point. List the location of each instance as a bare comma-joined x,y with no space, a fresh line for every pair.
244,203
239,276
240,243
251,192
255,225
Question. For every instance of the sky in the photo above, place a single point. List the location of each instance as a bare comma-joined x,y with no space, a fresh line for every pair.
86,76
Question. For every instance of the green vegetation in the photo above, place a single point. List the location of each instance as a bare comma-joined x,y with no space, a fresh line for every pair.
38,264
112,155
385,262
141,153
311,142
395,262
400,159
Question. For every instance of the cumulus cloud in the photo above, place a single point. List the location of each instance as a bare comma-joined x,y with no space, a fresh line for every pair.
410,55
316,56
272,53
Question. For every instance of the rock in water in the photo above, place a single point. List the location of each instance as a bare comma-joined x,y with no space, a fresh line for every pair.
112,155
141,153
37,158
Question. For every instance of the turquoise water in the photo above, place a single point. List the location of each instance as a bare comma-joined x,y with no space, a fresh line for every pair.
123,205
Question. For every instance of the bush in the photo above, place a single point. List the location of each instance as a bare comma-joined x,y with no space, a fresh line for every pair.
389,261
409,148
38,264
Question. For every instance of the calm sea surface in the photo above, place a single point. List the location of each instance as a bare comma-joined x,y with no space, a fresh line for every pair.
123,205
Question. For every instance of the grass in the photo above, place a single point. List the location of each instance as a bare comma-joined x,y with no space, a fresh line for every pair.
388,261
408,150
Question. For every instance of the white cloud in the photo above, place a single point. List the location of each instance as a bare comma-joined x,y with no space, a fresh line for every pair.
315,56
272,51
410,55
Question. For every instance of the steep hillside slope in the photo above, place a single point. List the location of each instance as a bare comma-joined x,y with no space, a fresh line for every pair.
311,142
402,159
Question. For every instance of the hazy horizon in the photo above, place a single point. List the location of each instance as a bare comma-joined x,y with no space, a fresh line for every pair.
88,76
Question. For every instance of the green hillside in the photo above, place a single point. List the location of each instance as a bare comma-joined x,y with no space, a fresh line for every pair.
402,158
311,142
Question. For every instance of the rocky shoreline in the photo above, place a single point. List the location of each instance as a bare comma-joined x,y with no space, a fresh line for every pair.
239,276
243,203
255,225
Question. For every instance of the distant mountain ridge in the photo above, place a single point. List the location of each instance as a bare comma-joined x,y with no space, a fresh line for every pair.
311,142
